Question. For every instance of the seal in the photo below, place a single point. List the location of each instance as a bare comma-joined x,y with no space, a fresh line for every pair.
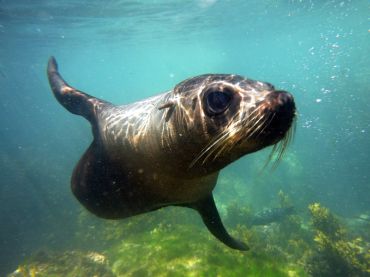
169,149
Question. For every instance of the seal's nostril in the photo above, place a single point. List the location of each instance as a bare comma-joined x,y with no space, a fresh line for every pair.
283,97
280,101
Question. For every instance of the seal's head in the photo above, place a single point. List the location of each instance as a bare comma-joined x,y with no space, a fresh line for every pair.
236,116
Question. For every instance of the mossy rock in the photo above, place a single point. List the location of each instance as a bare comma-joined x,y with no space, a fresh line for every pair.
336,254
67,264
191,251
324,221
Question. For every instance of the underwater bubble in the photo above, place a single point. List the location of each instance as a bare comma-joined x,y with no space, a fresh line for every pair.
325,90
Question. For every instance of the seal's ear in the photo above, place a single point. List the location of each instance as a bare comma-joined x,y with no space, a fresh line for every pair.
208,211
170,106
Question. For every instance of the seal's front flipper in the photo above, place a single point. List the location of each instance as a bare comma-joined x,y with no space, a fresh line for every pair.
73,100
208,211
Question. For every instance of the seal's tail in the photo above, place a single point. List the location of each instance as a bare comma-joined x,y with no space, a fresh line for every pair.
75,101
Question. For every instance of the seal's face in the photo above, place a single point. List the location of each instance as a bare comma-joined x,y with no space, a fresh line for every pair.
240,116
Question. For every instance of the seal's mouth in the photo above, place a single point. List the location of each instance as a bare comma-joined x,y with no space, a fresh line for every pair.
279,108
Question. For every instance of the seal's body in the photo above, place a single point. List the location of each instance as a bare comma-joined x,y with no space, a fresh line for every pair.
168,149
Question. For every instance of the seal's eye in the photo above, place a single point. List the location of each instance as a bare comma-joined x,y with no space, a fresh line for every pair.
218,101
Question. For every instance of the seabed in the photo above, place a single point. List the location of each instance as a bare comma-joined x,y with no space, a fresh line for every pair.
169,243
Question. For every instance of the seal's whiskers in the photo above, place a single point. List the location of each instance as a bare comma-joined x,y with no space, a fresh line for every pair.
255,127
252,129
219,144
218,138
268,123
279,148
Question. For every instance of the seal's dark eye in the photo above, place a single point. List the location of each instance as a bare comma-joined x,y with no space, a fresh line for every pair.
218,101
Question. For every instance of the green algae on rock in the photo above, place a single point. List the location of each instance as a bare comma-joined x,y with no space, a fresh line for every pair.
66,264
336,254
163,253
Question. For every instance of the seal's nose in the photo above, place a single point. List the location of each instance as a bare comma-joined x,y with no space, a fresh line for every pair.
283,97
281,105
281,101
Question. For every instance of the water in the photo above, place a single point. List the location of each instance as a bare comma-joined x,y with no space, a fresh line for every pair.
123,51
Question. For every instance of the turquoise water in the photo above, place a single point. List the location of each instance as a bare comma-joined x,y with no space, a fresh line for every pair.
123,51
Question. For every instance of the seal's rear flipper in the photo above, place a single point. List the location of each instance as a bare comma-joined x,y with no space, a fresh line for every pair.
208,211
73,100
